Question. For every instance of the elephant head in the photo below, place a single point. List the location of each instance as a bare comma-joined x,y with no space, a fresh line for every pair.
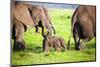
30,15
25,15
42,19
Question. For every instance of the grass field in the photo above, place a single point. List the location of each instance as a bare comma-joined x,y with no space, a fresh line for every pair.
61,19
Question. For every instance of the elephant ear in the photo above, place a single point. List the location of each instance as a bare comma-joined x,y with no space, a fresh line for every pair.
22,14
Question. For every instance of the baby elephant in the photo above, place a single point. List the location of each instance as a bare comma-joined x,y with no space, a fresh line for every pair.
53,42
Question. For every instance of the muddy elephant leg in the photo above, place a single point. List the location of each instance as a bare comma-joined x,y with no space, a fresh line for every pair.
19,43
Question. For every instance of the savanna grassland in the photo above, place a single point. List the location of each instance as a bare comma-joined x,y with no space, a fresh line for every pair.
61,19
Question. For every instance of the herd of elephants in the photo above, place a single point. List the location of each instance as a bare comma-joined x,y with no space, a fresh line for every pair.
24,15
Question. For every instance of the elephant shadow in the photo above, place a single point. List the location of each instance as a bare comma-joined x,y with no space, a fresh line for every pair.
87,46
36,49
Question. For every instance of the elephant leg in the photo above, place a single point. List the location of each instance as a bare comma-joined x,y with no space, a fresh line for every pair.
47,28
76,40
47,49
42,29
58,49
64,46
83,43
18,46
38,25
46,46
19,43
36,29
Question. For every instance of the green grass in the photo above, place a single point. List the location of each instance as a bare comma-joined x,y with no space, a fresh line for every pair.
34,51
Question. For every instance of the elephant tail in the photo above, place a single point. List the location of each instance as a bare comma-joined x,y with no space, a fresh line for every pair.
70,37
69,42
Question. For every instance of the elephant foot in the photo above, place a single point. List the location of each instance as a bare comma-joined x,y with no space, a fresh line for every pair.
80,46
77,48
19,46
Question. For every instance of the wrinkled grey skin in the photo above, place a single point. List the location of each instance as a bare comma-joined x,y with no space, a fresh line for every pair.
24,16
53,42
83,25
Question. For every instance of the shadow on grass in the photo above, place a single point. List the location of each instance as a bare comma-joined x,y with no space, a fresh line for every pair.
37,49
87,46
71,46
93,45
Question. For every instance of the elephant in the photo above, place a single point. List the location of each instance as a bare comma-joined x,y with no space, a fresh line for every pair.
40,22
53,42
23,16
83,25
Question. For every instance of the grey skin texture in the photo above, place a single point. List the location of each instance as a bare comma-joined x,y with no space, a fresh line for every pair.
83,25
24,15
50,42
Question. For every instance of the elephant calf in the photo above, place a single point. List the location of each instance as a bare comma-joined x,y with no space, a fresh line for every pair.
53,42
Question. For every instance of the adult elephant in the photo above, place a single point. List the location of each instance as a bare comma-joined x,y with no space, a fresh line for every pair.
24,15
41,18
83,25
